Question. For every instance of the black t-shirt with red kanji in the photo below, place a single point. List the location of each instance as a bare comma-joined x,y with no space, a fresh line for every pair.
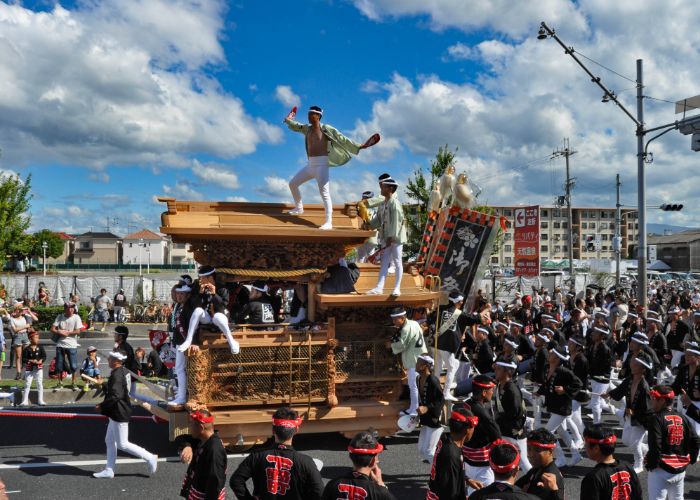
447,474
355,486
673,444
614,480
277,472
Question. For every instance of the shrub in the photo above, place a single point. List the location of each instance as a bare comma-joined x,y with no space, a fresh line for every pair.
47,315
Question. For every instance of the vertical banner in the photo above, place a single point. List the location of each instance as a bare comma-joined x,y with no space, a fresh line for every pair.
526,237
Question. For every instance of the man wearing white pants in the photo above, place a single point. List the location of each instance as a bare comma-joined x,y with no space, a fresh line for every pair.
178,326
117,407
510,409
430,406
673,445
600,360
391,227
325,147
408,341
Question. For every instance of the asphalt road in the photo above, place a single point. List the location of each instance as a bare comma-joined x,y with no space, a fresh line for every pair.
30,448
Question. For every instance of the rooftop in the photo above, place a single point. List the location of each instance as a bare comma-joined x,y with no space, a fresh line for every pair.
145,234
101,236
682,237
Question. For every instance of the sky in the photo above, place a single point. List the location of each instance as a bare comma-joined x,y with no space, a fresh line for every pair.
110,104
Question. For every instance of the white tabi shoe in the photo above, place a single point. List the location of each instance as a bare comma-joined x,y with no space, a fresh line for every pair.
327,226
396,293
375,291
296,211
450,397
105,474
235,347
152,464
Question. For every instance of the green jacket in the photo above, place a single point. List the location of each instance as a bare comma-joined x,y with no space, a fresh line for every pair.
340,148
390,221
409,343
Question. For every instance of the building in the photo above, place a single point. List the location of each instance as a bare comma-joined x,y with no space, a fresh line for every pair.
145,247
97,248
681,250
180,254
596,222
68,250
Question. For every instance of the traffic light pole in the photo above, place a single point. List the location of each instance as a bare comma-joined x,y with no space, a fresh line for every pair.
641,194
566,153
618,233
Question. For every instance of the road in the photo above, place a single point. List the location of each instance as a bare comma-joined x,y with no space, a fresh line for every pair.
32,446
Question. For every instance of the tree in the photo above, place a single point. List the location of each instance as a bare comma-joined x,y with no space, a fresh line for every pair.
53,240
418,190
14,214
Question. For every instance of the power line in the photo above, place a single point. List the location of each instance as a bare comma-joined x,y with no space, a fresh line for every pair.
606,68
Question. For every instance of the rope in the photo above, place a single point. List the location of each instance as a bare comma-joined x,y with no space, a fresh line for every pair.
266,273
70,416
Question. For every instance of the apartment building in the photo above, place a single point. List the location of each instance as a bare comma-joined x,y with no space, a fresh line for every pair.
595,222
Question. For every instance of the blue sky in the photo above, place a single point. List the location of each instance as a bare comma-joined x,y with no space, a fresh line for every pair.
108,104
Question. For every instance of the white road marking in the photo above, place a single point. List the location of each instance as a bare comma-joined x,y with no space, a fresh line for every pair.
82,463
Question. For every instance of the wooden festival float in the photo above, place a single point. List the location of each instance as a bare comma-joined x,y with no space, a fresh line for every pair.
339,373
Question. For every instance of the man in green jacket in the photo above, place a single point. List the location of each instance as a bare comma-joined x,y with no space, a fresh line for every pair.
325,147
408,341
391,227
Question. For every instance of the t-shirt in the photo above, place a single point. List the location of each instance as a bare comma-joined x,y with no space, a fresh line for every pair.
102,302
17,323
70,324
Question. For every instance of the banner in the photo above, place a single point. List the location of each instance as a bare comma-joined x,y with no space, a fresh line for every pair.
526,239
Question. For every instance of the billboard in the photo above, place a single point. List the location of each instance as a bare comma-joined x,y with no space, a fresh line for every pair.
526,239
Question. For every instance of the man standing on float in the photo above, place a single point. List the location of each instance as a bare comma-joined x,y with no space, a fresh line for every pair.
325,147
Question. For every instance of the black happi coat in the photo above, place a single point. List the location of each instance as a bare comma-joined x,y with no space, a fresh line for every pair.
476,450
510,414
639,402
355,485
600,362
116,404
206,473
529,481
604,478
560,403
296,476
483,357
673,444
538,371
691,385
579,366
676,336
179,323
501,491
431,396
259,311
447,480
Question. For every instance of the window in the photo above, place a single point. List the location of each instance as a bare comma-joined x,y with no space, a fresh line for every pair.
611,225
565,236
604,248
507,236
85,245
584,225
557,225
508,213
565,248
603,215
557,249
629,226
494,260
604,237
544,248
584,214
603,225
556,213
564,225
544,237
636,226
507,260
508,248
545,213
591,225
544,224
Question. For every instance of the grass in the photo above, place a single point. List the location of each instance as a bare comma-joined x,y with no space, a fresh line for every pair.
50,383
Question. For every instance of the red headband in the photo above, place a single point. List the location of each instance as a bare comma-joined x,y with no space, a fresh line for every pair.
546,446
472,421
504,469
657,395
281,422
612,439
367,451
202,418
487,385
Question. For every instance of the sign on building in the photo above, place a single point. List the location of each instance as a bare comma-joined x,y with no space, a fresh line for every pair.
526,239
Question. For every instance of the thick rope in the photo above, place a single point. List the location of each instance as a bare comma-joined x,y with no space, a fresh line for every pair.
48,414
266,273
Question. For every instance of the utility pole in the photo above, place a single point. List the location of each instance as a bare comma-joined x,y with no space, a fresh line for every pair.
641,194
566,153
617,244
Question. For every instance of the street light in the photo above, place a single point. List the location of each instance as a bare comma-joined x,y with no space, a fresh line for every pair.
686,126
148,251
44,246
140,245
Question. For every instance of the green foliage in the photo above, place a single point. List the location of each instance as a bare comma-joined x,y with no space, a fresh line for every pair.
14,216
53,240
47,315
418,191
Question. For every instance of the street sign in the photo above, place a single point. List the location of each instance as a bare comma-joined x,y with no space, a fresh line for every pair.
526,239
596,242
688,104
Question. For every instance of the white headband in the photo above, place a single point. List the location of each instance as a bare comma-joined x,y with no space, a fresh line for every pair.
398,314
693,347
638,339
547,316
316,111
454,300
563,358
548,330
600,330
483,330
515,323
644,363
117,355
208,273
506,364
543,337
602,312
183,288
511,343
655,320
263,289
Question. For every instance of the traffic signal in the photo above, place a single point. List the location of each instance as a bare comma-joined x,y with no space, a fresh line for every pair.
671,207
590,243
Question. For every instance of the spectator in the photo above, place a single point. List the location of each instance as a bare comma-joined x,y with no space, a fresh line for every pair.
2,344
90,366
120,305
140,359
65,328
42,295
102,303
33,358
154,365
19,329
75,299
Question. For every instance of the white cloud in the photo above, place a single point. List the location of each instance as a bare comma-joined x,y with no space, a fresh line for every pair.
99,176
511,18
285,95
119,82
216,175
460,52
183,191
237,199
276,187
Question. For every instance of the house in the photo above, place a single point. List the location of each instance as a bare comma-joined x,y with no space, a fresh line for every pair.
97,248
180,254
681,250
145,247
